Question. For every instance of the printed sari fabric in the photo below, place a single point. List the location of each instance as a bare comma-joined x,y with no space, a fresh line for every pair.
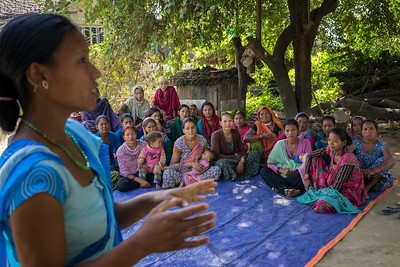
167,101
173,177
29,168
243,132
321,140
102,108
373,161
267,144
228,167
323,176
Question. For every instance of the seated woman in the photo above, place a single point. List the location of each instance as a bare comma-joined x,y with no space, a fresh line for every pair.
149,125
355,127
263,134
127,155
242,126
209,121
166,99
136,104
229,151
328,123
161,125
109,138
302,119
336,183
283,173
187,150
194,114
375,158
176,125
102,108
126,120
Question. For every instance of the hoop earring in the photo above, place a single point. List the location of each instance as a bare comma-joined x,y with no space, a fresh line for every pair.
45,84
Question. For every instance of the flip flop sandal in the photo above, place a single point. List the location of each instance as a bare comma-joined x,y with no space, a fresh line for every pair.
389,211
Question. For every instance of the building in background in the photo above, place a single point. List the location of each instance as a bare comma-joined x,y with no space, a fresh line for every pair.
9,9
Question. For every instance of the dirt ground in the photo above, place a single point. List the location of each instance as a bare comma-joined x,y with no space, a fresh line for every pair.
375,241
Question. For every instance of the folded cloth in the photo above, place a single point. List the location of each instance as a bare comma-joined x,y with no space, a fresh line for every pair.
332,196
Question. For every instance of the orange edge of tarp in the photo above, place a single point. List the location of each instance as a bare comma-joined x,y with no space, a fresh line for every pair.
346,230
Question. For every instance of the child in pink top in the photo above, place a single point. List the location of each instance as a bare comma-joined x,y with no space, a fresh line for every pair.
152,158
193,176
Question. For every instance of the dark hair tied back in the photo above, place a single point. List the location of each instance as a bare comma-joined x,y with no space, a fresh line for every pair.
26,39
343,136
9,108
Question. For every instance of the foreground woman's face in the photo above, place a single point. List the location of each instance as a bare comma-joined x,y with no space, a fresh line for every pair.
72,77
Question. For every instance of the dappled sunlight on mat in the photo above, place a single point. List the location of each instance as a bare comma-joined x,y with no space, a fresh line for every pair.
254,227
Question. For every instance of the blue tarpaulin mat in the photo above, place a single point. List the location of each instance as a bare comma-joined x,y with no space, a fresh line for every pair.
254,227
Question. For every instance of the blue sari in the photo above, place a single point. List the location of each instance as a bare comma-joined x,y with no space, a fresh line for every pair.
20,158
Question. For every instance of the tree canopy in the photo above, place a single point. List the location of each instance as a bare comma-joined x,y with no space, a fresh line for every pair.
145,39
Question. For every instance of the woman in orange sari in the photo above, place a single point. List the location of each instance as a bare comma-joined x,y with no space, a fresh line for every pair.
264,132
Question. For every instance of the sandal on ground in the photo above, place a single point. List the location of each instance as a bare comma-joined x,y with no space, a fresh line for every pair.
389,211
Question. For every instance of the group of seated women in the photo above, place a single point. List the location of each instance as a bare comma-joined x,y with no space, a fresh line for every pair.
186,148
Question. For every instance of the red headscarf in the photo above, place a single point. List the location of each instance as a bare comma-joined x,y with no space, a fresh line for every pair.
207,129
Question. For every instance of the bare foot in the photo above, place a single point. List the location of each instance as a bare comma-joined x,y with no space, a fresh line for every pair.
182,184
292,192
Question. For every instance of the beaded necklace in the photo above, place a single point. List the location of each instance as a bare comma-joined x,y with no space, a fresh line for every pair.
85,167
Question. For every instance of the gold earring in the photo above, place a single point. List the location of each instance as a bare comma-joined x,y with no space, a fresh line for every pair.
45,85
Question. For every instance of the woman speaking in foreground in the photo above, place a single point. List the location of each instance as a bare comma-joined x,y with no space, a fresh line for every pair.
56,201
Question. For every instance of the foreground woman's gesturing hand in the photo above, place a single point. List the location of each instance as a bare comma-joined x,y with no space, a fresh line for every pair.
166,230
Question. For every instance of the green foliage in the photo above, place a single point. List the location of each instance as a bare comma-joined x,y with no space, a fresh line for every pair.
265,97
325,87
146,39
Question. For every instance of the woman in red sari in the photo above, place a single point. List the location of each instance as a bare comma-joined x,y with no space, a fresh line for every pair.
264,133
166,99
209,122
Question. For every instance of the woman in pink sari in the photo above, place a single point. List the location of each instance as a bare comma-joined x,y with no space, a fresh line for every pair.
343,174
187,151
166,99
242,126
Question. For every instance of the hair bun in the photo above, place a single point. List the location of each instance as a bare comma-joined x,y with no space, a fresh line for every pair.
9,108
7,87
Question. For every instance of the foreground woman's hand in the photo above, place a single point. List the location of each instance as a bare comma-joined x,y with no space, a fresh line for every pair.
190,193
167,230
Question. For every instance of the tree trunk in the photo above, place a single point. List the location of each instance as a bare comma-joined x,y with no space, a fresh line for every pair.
302,43
277,66
364,109
242,75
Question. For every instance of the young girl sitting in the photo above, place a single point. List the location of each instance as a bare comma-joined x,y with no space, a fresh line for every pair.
152,158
